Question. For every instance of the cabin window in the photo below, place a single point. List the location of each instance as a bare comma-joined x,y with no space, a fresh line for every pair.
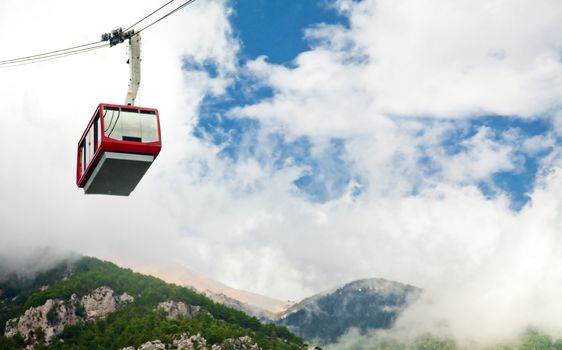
89,146
82,157
111,122
128,124
149,126
97,138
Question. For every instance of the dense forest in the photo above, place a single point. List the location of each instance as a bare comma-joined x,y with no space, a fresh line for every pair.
135,323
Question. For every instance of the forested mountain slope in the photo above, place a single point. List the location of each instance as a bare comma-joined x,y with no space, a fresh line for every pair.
86,303
364,305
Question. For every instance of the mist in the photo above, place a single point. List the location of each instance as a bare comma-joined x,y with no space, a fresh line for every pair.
27,264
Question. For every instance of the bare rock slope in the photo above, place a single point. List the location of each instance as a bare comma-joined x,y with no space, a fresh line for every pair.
197,342
51,317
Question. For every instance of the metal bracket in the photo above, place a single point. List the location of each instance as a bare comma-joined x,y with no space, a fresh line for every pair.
117,36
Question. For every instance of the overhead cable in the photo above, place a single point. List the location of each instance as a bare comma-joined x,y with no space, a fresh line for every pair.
150,14
51,55
188,2
46,54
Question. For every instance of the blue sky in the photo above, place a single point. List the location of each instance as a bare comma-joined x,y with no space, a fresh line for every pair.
274,30
277,31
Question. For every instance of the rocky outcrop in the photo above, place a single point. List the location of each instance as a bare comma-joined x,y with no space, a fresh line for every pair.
186,342
245,343
99,303
51,317
197,342
149,345
153,345
33,319
178,309
125,298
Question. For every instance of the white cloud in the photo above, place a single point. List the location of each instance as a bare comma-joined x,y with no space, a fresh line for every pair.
537,144
436,59
482,157
368,84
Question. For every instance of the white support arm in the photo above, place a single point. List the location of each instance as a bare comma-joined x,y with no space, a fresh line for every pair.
134,69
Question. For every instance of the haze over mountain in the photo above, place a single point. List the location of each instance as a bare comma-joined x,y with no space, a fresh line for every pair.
84,303
367,304
251,303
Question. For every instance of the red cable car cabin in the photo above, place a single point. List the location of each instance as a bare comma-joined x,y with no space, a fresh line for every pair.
117,148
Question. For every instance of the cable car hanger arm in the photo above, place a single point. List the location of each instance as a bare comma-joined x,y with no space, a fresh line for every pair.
117,36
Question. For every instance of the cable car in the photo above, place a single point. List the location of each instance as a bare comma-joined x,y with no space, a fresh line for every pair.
117,148
120,141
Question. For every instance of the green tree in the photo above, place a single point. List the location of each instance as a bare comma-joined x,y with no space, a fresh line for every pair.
429,342
535,340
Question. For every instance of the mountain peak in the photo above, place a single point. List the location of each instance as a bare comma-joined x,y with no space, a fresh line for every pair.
363,304
378,285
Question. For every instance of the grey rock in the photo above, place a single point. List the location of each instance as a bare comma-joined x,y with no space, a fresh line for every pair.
125,298
178,309
149,345
186,342
153,345
50,318
197,342
99,303
55,314
241,343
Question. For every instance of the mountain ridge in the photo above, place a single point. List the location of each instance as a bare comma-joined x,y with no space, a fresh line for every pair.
365,304
92,304
254,304
384,301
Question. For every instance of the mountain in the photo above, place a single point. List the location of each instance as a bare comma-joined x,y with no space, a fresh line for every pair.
86,303
260,306
364,304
